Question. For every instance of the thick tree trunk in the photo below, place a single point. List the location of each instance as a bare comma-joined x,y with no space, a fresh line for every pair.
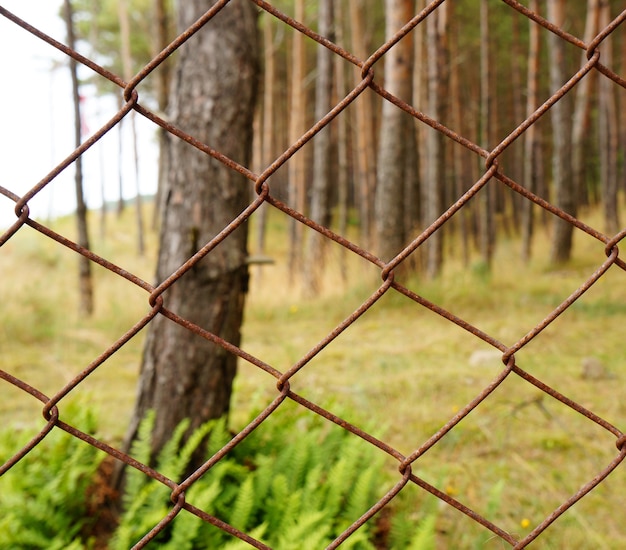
564,193
182,374
390,237
85,282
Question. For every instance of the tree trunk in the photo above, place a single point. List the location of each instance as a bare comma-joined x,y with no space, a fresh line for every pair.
390,237
456,115
531,136
297,127
183,375
432,187
313,264
267,133
127,68
85,282
564,193
582,107
342,143
364,136
163,75
517,168
487,196
607,121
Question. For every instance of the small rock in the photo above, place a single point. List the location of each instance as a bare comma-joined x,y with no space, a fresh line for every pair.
486,358
593,369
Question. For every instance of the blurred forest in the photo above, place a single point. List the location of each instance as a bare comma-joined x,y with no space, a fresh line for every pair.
478,67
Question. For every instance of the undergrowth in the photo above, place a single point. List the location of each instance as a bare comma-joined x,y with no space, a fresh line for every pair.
43,500
295,484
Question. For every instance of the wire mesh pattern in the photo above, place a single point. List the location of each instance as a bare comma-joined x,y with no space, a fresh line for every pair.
491,172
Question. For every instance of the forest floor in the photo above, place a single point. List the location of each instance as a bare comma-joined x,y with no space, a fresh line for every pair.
401,371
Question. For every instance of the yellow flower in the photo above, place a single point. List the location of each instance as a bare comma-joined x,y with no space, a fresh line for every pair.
525,523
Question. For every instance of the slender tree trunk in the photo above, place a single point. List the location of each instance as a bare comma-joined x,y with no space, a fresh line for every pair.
297,127
531,137
564,193
607,121
390,237
456,114
120,153
161,39
622,120
268,139
582,107
487,197
183,375
517,168
364,140
85,281
432,187
342,144
127,69
320,208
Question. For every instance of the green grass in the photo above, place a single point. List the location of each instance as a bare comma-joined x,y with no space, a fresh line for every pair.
401,369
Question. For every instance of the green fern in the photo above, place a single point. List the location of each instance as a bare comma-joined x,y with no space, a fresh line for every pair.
170,459
361,498
424,537
308,531
244,505
43,497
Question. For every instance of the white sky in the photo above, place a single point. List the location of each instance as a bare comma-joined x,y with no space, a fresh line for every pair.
36,122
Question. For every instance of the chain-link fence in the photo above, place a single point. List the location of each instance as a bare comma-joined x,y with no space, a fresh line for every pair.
406,471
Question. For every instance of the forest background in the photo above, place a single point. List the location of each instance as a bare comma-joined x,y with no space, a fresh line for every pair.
481,72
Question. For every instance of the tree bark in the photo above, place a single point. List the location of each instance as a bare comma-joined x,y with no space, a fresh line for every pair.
183,375
389,223
85,281
564,193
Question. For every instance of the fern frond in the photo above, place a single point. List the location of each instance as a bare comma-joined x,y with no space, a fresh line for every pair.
424,538
244,505
237,544
308,532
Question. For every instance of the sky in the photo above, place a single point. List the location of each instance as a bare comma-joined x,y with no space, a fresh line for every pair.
36,123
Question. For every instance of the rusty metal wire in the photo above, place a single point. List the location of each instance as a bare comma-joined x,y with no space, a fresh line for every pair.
492,170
